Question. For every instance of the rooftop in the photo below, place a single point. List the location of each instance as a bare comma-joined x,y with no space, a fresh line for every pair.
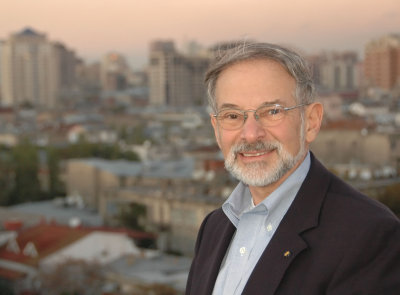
28,31
159,269
46,238
178,169
53,212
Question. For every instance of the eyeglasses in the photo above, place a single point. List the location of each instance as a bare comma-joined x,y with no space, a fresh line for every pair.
266,115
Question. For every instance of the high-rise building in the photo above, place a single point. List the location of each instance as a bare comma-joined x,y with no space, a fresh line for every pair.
114,71
335,71
88,77
382,62
34,70
175,79
66,62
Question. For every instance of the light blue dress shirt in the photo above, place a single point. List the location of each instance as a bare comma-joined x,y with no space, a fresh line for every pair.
255,226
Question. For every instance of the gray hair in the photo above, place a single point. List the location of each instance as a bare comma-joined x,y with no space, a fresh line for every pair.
295,65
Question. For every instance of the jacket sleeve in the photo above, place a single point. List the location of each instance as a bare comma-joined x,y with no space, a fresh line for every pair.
371,265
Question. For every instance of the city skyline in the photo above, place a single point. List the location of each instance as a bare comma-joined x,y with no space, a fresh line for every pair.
94,28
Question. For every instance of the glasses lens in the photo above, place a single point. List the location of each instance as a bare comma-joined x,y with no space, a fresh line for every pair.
230,119
270,115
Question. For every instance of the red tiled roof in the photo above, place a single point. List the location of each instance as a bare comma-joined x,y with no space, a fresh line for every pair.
47,239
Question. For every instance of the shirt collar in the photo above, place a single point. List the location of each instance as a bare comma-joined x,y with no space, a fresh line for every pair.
240,200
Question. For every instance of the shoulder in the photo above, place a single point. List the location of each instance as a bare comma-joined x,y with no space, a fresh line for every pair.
214,227
213,221
336,209
344,201
347,201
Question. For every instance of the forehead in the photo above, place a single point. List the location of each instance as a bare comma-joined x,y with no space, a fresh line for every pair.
251,83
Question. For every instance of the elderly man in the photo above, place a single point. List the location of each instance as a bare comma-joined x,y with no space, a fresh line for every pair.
290,226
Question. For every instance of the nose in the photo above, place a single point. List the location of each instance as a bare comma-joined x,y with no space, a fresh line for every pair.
252,129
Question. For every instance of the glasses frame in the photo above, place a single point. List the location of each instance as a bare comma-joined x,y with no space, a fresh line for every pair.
256,117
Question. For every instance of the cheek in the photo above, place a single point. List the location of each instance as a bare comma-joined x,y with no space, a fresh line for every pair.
288,135
227,139
293,140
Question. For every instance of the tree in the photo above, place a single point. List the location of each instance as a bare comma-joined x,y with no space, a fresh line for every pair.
138,135
131,216
6,176
56,187
26,166
391,198
155,289
84,149
5,288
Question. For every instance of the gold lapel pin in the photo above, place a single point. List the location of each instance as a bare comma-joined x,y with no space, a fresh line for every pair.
287,254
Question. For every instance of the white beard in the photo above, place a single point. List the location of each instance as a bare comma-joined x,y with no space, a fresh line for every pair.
260,173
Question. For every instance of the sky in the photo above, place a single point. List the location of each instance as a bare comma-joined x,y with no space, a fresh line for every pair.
95,27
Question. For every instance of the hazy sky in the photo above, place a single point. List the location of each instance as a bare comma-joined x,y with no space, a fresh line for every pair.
95,27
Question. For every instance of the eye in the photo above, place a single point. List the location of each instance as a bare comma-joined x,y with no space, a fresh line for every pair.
274,111
268,111
231,116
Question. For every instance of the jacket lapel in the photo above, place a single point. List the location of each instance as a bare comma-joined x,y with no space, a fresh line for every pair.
287,242
219,234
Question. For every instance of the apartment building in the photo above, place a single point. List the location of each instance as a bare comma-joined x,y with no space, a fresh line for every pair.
176,194
336,71
175,79
34,70
382,62
355,142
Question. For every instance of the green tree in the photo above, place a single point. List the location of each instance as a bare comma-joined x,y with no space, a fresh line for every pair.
132,215
155,289
26,166
123,133
6,288
84,149
6,176
56,187
138,135
391,198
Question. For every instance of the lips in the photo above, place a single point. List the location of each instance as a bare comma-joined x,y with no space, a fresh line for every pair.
254,151
254,154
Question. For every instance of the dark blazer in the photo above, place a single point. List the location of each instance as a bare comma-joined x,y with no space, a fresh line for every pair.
332,240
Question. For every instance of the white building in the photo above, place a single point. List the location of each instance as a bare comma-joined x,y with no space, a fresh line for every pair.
34,70
97,246
175,79
336,71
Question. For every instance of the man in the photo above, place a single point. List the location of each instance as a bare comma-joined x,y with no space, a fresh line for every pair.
290,226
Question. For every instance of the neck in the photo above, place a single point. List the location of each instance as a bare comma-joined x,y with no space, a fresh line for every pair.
259,193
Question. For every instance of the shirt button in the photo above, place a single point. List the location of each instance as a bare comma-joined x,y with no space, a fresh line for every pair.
242,251
269,227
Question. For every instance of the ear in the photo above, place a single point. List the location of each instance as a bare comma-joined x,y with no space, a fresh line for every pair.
313,119
216,130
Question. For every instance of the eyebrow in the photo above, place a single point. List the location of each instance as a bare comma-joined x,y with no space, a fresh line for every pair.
234,106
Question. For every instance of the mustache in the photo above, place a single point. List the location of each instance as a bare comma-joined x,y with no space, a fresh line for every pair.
255,147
